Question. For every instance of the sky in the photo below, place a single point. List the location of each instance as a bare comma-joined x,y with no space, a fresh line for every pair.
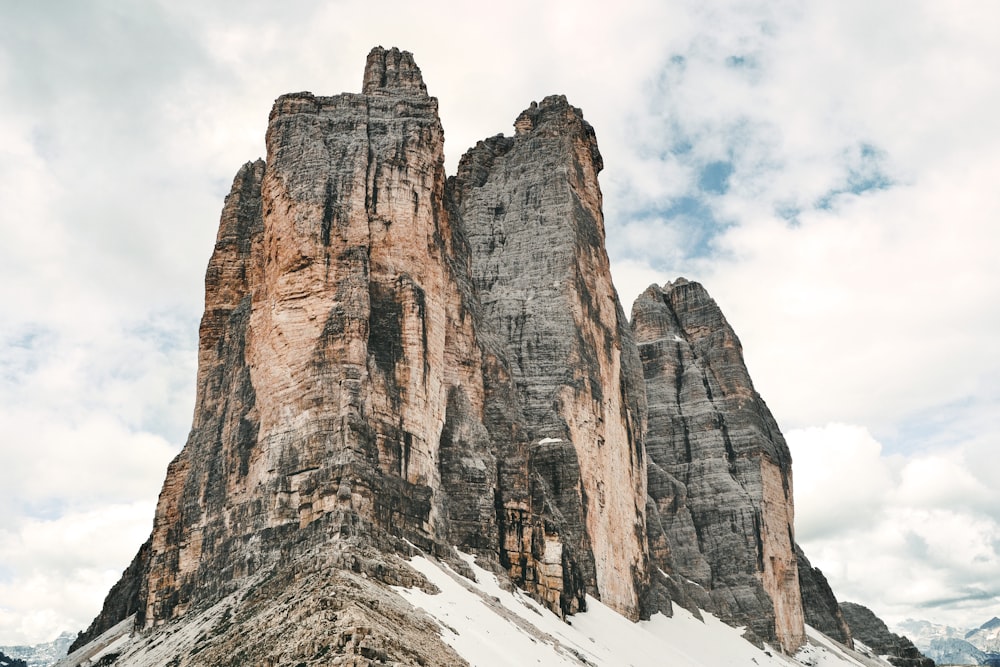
827,170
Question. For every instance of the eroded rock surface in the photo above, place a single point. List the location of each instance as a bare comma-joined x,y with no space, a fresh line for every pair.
720,468
530,209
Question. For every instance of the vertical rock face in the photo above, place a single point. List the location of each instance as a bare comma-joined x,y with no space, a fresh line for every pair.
720,469
336,349
530,208
822,611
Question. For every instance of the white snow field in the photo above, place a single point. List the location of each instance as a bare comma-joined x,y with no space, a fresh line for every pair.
492,627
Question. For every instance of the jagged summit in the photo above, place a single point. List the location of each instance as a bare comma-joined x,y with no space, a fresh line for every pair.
392,363
392,71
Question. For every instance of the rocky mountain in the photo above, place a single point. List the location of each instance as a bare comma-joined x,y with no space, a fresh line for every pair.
924,632
398,368
37,655
868,628
821,608
947,645
7,661
955,652
987,636
720,472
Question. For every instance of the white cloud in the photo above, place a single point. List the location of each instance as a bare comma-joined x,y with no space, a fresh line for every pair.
909,536
59,466
56,572
824,459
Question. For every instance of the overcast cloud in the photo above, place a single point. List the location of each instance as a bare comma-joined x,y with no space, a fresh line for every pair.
827,170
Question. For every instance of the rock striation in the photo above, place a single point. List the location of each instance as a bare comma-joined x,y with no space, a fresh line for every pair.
720,471
822,611
530,209
392,362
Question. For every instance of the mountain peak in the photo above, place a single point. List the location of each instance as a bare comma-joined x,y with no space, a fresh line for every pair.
392,71
393,365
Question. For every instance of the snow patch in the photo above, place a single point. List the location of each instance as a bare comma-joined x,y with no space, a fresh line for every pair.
492,627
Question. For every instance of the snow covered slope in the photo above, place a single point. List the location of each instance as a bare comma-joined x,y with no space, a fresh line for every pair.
492,627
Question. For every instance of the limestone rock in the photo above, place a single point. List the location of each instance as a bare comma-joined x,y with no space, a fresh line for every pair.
390,361
530,209
337,352
822,611
326,605
868,628
721,471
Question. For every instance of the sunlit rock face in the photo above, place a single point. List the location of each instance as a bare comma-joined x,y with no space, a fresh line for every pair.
720,471
335,339
391,362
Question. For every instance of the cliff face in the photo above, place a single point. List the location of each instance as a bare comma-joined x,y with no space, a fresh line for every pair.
333,340
721,469
530,208
822,611
392,362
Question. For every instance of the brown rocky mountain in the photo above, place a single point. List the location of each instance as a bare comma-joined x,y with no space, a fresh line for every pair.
393,362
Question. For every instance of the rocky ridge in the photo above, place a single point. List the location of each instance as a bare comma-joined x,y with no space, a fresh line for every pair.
392,362
948,645
955,652
986,636
868,628
822,611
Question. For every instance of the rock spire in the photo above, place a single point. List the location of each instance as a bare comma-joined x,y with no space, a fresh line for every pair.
720,471
530,208
391,362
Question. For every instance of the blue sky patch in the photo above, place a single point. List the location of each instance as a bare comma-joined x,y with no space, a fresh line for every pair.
741,62
694,218
714,177
866,172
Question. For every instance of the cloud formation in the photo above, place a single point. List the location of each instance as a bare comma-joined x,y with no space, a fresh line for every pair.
927,522
827,171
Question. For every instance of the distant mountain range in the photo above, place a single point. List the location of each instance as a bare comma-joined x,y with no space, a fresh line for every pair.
39,655
956,646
